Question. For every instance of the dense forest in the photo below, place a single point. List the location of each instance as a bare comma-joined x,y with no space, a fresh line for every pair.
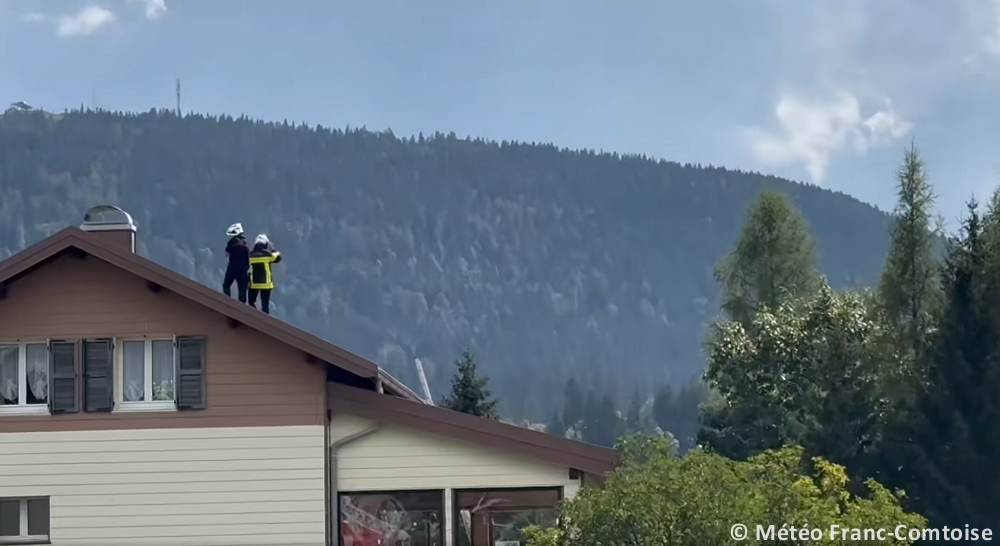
816,362
548,264
837,416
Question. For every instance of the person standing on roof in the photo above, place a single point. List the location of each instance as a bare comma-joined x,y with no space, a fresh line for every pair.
238,253
261,283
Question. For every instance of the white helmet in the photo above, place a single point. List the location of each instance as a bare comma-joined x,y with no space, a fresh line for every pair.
262,240
235,230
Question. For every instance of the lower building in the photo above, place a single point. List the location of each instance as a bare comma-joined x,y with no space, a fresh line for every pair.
138,407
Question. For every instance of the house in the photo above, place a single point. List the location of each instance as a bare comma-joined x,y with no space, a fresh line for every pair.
141,408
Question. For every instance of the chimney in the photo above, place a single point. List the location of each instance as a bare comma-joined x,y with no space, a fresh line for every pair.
111,226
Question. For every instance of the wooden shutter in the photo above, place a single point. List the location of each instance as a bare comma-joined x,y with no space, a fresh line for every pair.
191,357
98,385
62,377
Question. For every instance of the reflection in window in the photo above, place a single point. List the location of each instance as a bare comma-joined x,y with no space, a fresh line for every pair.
399,518
507,526
499,517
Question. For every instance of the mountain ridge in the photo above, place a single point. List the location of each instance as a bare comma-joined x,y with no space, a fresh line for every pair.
549,263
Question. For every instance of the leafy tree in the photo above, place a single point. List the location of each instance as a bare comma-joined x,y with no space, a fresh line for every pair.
803,374
469,393
657,498
774,259
954,476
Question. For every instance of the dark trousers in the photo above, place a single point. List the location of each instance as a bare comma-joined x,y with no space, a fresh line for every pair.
242,279
265,299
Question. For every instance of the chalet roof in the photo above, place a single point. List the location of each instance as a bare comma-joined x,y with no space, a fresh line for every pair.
71,238
398,405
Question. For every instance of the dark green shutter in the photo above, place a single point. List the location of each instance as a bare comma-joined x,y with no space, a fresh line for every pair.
190,387
62,377
98,376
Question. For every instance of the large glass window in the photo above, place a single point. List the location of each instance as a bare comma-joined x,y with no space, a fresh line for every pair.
498,517
392,518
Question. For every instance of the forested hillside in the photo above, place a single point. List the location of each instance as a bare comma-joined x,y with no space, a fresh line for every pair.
547,263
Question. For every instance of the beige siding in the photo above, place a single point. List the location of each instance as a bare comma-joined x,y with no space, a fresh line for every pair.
202,486
395,458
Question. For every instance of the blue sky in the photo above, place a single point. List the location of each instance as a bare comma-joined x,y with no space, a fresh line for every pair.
823,91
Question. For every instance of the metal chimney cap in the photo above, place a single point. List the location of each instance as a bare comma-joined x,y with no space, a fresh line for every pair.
107,217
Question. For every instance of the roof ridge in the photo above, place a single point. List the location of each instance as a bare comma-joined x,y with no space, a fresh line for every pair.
36,255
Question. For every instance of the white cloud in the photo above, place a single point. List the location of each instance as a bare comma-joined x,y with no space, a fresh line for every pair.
914,52
85,22
812,131
925,55
154,8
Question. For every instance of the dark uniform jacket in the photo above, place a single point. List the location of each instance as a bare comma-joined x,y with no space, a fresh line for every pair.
238,252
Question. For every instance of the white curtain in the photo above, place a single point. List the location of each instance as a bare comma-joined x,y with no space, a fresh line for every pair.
37,372
163,370
8,374
134,368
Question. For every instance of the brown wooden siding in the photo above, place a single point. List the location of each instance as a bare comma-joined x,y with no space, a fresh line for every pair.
252,380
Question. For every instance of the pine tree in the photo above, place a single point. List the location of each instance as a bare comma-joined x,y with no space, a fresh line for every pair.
555,425
633,417
469,392
909,299
956,431
574,402
774,258
908,290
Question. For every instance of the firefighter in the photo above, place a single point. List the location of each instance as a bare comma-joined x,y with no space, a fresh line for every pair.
262,257
238,253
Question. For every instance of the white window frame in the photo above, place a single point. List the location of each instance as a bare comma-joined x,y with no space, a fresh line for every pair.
25,538
22,407
148,404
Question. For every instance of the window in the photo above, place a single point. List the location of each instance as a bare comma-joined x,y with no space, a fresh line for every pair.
139,374
397,518
147,377
498,517
24,521
24,377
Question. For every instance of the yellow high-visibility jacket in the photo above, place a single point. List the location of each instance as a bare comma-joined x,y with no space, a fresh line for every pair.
260,269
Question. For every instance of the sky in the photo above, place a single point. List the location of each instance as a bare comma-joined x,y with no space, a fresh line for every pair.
822,91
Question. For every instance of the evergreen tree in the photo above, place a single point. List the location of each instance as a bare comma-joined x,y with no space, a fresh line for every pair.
574,403
469,392
774,259
555,426
953,472
633,417
677,411
908,290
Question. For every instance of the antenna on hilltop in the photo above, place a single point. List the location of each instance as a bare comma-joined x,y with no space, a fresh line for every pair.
178,97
